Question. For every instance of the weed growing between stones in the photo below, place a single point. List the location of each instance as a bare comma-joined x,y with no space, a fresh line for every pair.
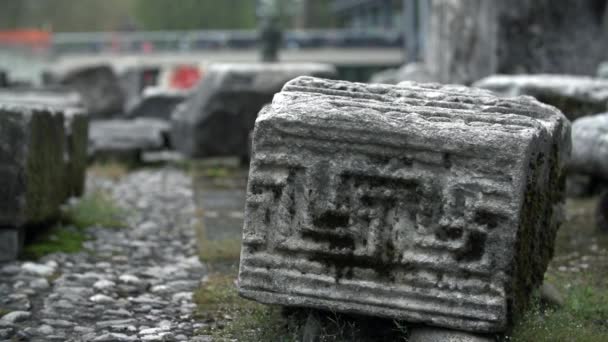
3,312
95,209
233,318
69,234
65,239
578,271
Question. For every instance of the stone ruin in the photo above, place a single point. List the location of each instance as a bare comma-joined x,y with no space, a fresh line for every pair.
425,203
43,158
217,119
575,96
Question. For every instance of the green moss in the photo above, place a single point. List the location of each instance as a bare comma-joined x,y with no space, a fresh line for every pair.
57,239
584,315
582,318
68,236
95,209
3,312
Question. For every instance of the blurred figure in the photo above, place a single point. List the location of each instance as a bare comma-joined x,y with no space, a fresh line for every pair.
270,34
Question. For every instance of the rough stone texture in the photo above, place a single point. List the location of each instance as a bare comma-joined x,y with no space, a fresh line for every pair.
11,243
99,87
76,122
32,171
120,137
77,134
575,96
443,335
157,104
590,146
416,72
470,39
551,36
428,203
217,119
132,284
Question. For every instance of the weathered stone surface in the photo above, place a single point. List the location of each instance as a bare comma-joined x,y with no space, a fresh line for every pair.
470,39
32,170
99,87
428,203
590,146
157,104
551,36
416,72
575,96
120,137
76,128
217,119
11,243
77,135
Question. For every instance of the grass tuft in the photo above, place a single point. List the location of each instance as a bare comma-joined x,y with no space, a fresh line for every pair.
57,239
68,236
95,209
3,312
583,318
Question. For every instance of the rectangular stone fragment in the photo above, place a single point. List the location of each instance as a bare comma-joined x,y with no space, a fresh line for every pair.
427,203
76,122
32,170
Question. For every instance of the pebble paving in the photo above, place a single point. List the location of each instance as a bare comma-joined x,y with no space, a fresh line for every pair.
128,284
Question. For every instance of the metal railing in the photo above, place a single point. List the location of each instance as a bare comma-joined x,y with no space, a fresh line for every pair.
190,41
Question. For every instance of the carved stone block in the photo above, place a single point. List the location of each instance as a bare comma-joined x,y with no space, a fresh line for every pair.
421,202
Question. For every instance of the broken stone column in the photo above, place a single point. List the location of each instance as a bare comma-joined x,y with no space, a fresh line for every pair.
462,40
32,172
217,119
420,202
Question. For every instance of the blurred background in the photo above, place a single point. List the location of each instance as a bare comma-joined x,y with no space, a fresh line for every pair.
200,30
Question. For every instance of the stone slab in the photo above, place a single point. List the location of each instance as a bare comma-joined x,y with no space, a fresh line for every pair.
32,169
76,122
216,120
119,137
575,96
77,139
98,86
156,104
421,202
590,146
